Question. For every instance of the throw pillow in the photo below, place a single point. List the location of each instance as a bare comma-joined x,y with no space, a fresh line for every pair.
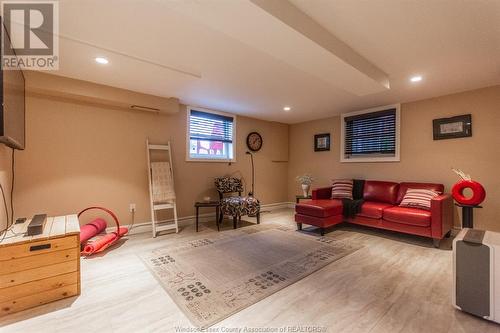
342,189
418,198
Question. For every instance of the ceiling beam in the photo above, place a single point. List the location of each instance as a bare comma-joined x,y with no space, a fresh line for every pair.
287,13
282,31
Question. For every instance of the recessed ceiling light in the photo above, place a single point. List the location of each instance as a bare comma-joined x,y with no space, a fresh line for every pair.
101,60
287,108
416,78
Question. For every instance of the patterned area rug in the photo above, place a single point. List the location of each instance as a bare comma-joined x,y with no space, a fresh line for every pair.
213,278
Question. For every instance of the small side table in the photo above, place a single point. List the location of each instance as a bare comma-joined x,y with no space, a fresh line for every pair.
215,204
467,215
298,197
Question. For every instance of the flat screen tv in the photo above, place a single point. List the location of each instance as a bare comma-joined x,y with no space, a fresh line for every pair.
12,108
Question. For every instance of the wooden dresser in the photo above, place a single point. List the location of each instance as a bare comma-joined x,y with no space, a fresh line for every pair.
39,269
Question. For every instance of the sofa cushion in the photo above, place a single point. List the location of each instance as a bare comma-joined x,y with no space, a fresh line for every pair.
319,208
342,189
403,187
322,222
381,191
409,216
373,209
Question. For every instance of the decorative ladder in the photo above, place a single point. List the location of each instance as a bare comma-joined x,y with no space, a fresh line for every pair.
156,206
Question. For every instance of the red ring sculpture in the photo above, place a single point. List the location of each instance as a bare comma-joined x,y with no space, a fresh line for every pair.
478,192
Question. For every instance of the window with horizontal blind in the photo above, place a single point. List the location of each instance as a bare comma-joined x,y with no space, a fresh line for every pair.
371,135
210,135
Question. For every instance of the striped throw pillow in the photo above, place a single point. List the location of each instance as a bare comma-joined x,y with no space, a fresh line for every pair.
342,189
418,198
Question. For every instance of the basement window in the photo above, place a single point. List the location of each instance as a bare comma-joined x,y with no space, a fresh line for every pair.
210,136
371,135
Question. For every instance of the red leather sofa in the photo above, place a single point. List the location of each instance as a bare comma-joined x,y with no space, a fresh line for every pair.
381,210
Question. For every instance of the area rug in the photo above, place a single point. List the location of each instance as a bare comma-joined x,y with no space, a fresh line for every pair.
212,278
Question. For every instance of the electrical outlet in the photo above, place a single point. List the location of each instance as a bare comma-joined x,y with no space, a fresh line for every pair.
132,208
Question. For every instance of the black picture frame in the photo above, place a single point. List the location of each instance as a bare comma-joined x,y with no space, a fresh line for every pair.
322,142
452,127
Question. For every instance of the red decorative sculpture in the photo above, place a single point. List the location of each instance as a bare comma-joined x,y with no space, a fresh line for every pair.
478,191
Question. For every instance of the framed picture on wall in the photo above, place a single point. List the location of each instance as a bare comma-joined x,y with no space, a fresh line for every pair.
453,127
322,142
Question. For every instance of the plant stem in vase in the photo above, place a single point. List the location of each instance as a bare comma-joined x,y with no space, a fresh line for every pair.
305,189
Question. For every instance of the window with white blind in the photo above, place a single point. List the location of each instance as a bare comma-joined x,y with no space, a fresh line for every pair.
371,135
210,136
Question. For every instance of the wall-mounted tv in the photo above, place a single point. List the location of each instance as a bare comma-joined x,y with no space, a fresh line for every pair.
12,108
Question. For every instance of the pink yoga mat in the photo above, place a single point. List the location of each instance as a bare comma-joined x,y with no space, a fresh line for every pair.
103,242
91,229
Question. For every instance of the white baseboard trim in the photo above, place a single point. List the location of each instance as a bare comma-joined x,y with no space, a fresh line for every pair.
278,205
183,221
191,219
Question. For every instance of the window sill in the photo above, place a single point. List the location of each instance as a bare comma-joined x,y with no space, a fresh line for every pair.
370,160
210,160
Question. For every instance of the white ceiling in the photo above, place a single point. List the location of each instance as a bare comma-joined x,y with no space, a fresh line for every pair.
233,56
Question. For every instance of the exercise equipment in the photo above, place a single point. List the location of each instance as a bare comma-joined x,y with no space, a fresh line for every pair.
100,243
92,229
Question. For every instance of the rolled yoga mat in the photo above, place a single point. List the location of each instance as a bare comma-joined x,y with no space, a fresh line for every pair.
104,242
91,229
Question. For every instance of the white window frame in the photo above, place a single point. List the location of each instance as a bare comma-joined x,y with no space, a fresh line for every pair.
188,137
361,159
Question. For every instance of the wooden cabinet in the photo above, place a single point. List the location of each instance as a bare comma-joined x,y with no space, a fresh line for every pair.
39,269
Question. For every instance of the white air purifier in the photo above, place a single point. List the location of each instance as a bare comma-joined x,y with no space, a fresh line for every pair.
476,273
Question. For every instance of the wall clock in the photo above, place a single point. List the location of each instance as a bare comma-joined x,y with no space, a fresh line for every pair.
254,141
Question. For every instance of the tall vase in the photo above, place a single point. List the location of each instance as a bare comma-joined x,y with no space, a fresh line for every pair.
305,189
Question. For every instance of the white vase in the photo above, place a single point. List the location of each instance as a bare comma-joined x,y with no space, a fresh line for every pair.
305,189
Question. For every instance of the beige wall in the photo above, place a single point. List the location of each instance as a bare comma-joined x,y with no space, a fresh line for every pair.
79,155
5,180
422,158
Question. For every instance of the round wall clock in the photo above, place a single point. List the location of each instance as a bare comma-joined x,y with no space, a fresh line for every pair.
254,141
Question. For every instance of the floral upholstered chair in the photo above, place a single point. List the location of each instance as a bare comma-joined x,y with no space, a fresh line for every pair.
235,206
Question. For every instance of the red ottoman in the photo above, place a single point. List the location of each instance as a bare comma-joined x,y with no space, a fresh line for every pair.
319,213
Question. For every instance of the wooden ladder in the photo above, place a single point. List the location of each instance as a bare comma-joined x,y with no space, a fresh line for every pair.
160,206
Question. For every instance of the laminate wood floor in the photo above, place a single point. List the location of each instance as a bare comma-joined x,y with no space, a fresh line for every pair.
395,283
